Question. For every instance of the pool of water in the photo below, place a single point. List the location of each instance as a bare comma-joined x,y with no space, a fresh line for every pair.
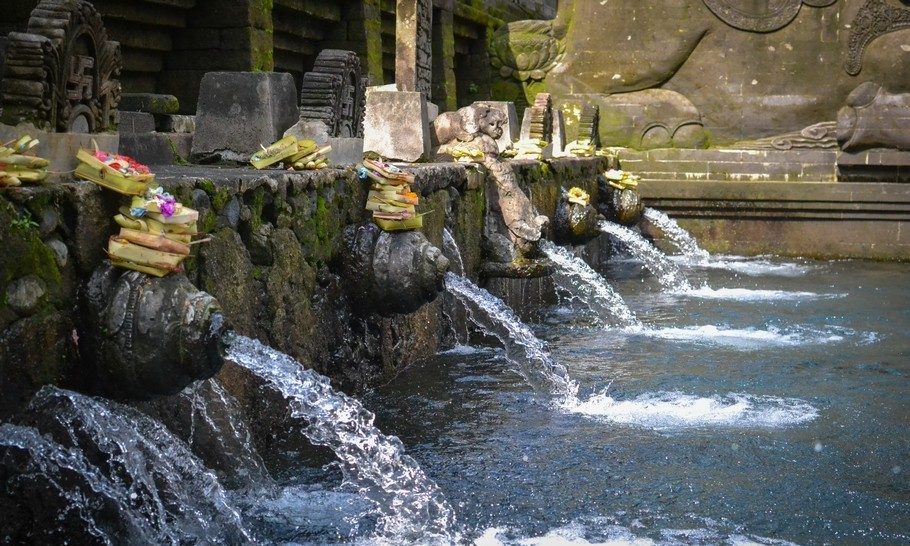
770,408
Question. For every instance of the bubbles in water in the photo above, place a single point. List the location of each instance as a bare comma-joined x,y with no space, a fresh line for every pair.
667,410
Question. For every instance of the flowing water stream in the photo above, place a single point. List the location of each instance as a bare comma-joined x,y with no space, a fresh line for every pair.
412,507
680,237
667,272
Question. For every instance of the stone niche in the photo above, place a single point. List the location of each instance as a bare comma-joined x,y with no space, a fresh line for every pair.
62,73
743,70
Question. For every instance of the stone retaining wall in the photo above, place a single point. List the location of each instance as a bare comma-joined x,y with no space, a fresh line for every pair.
272,263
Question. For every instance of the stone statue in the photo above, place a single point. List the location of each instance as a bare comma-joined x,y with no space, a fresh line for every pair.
874,118
737,69
63,74
391,273
622,206
145,337
481,126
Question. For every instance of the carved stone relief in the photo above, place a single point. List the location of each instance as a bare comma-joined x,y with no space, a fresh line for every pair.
876,18
761,16
63,73
335,93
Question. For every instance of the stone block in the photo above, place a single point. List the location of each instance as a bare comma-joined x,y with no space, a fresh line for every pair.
397,125
136,122
175,124
61,148
151,103
157,148
345,151
240,111
512,129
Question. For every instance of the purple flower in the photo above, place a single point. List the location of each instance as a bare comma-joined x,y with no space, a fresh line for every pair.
168,207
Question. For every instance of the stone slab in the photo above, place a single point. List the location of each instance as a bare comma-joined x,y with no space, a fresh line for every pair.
397,125
151,103
512,129
61,148
157,148
240,111
136,122
345,151
559,132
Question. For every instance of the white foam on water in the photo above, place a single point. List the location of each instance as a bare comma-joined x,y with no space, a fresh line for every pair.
670,410
580,534
465,350
741,337
751,294
746,266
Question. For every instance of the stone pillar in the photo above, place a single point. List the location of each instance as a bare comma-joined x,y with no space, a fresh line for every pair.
414,46
445,90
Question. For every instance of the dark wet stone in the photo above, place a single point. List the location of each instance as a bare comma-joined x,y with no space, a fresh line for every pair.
148,337
573,223
519,270
23,295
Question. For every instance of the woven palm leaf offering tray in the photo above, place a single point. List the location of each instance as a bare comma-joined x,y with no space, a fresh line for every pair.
18,165
115,172
294,154
156,232
391,200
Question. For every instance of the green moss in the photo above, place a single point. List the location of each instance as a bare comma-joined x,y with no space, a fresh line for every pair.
206,185
221,197
178,159
24,253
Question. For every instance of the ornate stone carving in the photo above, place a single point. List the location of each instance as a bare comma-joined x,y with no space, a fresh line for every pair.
819,136
760,16
876,18
538,119
414,46
63,73
335,93
527,50
391,273
148,337
574,223
874,118
469,124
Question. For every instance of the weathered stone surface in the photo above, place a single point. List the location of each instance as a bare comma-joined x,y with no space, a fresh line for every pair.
147,337
240,111
23,295
511,128
396,125
391,273
211,422
751,67
477,126
61,252
136,122
157,148
874,118
175,123
574,224
559,131
414,46
150,103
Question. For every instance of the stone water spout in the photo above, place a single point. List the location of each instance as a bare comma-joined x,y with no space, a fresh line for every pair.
147,337
623,207
391,273
575,223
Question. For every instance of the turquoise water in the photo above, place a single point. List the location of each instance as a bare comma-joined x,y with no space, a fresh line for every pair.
772,407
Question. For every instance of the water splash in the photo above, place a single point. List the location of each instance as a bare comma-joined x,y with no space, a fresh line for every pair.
412,507
523,349
670,410
750,294
746,338
667,273
134,462
575,276
680,237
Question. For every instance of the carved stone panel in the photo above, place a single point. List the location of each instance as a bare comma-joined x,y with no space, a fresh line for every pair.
63,73
760,15
335,93
876,18
414,46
